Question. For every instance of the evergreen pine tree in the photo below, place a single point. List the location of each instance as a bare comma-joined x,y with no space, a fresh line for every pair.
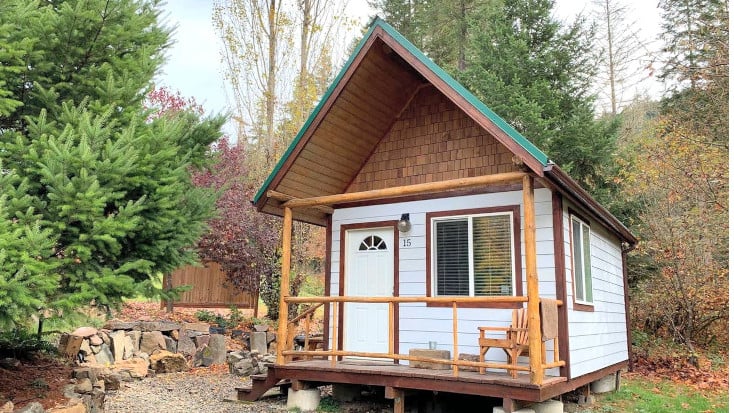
26,251
108,185
537,74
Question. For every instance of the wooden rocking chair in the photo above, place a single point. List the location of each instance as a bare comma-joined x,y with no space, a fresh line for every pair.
515,344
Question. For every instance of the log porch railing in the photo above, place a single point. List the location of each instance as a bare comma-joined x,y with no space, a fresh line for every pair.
334,352
536,368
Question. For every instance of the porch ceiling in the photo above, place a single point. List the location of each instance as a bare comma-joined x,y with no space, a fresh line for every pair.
361,111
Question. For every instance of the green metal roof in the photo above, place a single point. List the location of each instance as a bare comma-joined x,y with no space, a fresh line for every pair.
450,81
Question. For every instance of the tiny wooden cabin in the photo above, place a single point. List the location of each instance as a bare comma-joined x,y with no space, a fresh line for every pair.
440,219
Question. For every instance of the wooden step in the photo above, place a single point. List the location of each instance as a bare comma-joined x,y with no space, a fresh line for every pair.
259,377
261,383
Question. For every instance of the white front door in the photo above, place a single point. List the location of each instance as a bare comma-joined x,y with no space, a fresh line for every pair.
368,273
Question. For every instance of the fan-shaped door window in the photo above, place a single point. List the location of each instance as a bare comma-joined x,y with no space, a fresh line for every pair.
372,243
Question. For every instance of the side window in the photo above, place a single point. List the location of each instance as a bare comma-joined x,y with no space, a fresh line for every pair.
581,248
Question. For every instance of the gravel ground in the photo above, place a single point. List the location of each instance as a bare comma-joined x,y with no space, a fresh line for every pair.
187,393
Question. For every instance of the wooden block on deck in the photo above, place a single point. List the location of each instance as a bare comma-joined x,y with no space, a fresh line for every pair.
435,354
468,357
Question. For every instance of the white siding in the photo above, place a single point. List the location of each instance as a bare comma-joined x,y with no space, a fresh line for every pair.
597,339
420,324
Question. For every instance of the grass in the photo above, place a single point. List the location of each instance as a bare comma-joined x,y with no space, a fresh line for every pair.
642,395
329,404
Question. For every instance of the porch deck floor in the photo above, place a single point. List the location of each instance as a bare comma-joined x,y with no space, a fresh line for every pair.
491,384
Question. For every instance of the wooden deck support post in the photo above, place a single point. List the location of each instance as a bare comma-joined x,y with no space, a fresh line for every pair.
399,401
285,287
531,270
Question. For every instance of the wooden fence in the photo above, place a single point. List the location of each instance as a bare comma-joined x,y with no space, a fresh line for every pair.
210,288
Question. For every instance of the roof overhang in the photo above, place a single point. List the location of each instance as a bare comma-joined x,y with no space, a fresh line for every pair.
579,196
403,71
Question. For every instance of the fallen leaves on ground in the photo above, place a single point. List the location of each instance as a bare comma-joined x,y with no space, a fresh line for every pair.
40,380
679,369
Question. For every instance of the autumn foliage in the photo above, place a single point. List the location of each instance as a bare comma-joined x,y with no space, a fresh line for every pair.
682,182
244,242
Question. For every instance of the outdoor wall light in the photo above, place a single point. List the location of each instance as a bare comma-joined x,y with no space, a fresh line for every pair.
404,223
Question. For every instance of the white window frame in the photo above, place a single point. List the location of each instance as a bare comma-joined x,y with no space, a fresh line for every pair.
581,271
470,237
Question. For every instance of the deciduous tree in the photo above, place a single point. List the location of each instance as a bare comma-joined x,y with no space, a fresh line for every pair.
619,39
682,184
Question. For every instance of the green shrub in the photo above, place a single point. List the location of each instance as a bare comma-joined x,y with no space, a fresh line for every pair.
22,344
205,315
328,404
235,317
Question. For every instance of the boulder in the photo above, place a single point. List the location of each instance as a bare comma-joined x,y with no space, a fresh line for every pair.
150,341
202,340
261,328
158,326
118,344
235,356
200,327
193,334
186,345
85,349
111,380
34,407
125,375
203,357
120,325
262,368
69,345
73,406
171,344
7,407
175,334
218,347
135,338
105,337
84,332
105,356
10,363
69,392
128,348
95,340
98,396
80,373
142,355
167,362
83,386
259,342
137,367
95,348
243,367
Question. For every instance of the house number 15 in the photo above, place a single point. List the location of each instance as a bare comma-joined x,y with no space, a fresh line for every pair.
406,242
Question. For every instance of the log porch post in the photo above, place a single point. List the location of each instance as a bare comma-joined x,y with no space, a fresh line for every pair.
531,270
285,287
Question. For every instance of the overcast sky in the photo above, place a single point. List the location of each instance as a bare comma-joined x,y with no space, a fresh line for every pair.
194,65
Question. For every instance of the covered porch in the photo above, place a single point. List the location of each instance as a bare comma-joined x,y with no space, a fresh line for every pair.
334,364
